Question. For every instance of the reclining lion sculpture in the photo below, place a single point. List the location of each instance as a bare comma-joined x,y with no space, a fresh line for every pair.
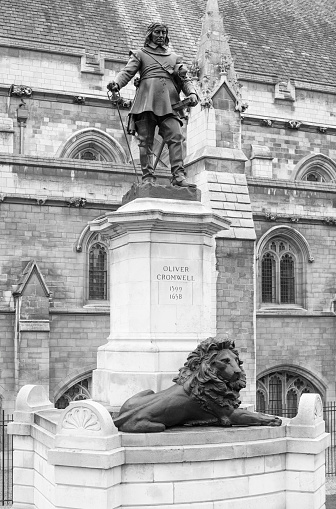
206,392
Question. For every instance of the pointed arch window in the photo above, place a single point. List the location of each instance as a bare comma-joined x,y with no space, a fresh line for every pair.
278,273
97,272
282,270
279,392
317,168
92,144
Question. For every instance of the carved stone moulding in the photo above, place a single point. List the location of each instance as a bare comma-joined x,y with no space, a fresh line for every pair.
294,124
76,202
267,122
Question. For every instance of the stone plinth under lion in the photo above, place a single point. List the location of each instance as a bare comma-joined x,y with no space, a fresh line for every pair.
206,392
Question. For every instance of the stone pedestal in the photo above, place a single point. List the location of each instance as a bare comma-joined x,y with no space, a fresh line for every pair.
162,293
76,458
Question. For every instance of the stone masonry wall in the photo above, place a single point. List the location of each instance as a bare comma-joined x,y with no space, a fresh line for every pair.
74,339
299,341
288,146
49,235
7,359
235,302
309,106
53,120
301,337
321,273
56,79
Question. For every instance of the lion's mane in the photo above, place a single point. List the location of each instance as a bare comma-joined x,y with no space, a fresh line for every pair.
201,380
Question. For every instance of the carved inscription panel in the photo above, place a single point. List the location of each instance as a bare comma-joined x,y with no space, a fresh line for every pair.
175,283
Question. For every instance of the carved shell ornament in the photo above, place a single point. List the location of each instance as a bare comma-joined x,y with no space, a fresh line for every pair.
81,418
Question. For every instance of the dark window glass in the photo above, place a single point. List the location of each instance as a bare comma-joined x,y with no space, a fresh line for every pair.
261,403
287,286
97,273
292,404
88,156
275,395
268,278
312,177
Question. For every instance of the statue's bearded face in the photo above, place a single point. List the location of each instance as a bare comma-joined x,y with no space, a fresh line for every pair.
159,35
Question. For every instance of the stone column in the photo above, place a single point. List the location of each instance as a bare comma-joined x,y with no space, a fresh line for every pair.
162,293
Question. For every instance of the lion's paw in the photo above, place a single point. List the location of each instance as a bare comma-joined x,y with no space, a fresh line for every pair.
272,421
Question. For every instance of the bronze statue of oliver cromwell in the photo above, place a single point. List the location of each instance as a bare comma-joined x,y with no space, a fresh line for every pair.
162,78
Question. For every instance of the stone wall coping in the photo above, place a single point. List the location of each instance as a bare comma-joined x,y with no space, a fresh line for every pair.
116,455
102,460
299,84
184,436
283,313
55,200
281,123
317,187
83,434
72,164
32,398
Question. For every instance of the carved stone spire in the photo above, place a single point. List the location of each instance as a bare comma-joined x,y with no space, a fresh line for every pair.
214,58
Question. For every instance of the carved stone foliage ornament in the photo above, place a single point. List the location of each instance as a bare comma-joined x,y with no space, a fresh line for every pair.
76,202
241,106
331,221
20,90
194,70
294,124
270,216
79,99
81,418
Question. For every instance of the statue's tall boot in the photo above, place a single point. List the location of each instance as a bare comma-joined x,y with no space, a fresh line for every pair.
145,135
170,131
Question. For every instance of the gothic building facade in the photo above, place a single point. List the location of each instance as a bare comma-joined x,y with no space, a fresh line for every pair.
260,145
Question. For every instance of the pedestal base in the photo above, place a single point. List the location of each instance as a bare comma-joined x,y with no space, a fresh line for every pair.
162,291
162,192
126,367
76,458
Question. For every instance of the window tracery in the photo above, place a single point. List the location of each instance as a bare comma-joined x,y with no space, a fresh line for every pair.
79,391
279,392
279,270
92,145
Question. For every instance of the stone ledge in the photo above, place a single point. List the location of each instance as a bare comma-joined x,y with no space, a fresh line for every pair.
297,185
220,153
188,436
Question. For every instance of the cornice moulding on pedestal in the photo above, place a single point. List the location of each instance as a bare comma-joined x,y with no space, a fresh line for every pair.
159,215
